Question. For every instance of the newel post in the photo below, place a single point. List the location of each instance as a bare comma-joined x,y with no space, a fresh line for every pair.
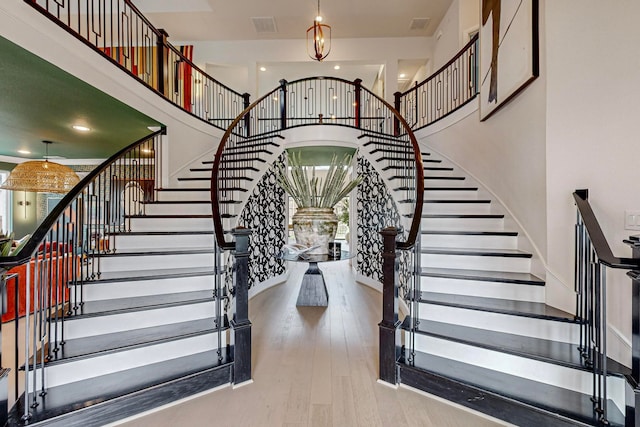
633,417
389,348
163,62
357,102
283,104
240,324
246,99
397,97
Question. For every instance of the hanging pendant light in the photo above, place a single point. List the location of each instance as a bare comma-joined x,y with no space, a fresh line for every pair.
41,176
318,38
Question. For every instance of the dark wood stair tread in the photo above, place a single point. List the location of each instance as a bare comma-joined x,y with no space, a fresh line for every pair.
451,189
470,233
483,275
153,251
556,352
495,305
556,400
155,274
506,253
161,233
128,384
80,348
177,216
464,216
132,304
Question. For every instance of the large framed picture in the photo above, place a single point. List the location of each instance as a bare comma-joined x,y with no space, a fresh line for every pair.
508,51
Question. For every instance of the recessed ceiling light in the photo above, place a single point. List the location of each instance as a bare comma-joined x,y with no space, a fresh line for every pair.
402,75
263,69
81,128
24,151
337,67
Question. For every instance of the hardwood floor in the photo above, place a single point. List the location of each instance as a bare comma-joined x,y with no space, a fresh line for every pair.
314,366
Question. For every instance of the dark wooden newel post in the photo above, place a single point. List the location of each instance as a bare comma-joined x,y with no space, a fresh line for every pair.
283,104
633,417
397,99
240,324
358,102
246,98
163,62
389,350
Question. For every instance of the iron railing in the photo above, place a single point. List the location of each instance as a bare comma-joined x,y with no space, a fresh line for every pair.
592,257
118,31
451,87
255,135
63,254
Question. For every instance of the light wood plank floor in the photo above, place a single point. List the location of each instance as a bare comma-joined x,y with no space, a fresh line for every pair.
315,366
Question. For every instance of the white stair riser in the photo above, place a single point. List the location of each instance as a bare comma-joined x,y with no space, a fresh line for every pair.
446,183
451,194
170,196
91,326
194,184
92,367
199,174
493,263
535,370
500,290
519,325
171,224
478,241
133,288
178,208
428,172
167,241
463,224
153,262
456,208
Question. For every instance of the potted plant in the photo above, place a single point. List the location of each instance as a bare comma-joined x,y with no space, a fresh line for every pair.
315,222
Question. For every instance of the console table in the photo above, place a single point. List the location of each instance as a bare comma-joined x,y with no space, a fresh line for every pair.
313,290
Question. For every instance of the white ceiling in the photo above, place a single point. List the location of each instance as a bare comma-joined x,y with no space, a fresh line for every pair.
226,20
200,20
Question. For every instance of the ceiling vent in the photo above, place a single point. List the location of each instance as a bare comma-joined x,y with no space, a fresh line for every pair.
419,23
264,24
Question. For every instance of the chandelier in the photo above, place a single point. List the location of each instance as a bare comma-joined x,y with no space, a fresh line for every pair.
318,45
41,176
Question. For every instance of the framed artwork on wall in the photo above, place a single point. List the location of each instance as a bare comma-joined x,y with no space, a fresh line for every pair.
508,51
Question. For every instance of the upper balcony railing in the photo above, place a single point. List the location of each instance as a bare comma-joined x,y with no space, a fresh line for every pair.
446,90
117,30
255,133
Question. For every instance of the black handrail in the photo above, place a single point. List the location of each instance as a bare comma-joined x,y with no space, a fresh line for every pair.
350,114
425,103
598,240
128,41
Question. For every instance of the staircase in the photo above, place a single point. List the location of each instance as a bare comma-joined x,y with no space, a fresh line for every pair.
484,337
151,328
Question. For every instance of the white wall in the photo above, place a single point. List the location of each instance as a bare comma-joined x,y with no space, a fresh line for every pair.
447,36
592,132
246,55
188,137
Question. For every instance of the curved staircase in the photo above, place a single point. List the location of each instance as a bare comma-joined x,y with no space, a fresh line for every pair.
484,336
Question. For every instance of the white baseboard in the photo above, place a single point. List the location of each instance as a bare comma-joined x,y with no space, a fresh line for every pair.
368,281
267,284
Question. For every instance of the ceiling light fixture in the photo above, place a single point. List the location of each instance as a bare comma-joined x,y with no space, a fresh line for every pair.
263,69
81,128
41,176
318,38
336,67
24,151
402,75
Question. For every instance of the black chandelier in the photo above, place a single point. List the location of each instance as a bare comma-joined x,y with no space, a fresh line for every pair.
318,38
